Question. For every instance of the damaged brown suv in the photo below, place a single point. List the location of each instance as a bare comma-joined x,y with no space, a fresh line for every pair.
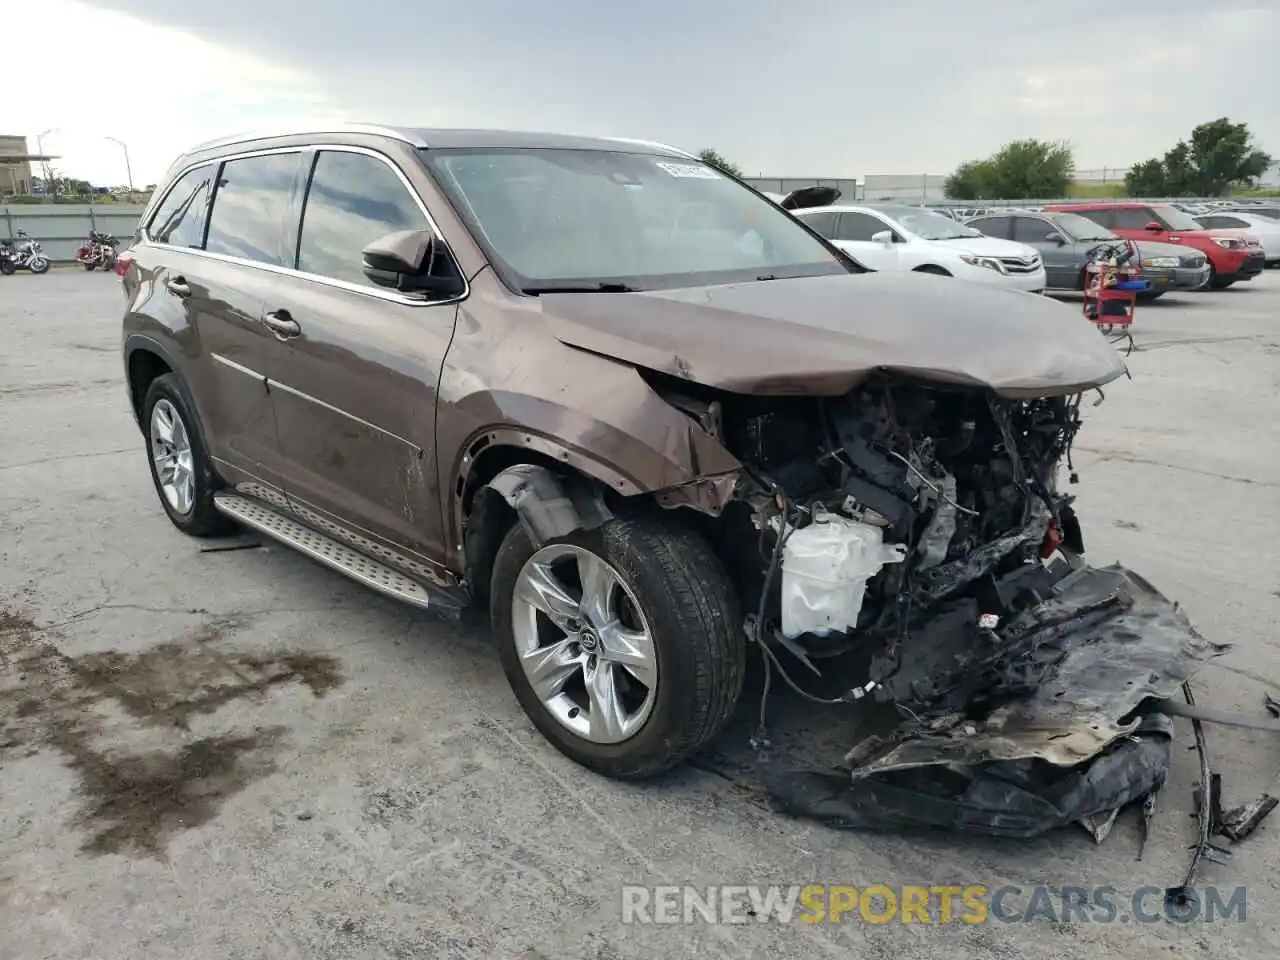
628,406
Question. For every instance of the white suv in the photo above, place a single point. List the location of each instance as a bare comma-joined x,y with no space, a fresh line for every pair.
899,237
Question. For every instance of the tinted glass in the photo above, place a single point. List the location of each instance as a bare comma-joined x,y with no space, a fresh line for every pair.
1220,222
1133,219
578,218
991,226
859,226
1032,230
823,223
353,200
1172,218
1079,227
249,208
180,218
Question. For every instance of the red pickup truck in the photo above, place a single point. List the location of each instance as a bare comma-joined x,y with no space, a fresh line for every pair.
1231,257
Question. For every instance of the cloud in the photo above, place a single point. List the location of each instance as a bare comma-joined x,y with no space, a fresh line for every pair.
810,87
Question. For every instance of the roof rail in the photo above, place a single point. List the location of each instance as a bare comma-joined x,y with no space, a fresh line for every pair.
311,127
655,143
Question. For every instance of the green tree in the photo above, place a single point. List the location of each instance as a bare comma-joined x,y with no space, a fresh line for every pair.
1021,170
1146,179
1218,156
711,157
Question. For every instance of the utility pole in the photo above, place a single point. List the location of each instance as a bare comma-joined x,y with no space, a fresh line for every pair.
128,170
48,176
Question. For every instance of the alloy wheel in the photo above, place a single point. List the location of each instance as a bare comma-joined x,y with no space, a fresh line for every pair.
171,452
584,643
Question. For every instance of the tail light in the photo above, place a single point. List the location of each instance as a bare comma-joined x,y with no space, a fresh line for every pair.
124,260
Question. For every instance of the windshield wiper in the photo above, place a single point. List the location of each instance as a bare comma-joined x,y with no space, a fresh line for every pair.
582,288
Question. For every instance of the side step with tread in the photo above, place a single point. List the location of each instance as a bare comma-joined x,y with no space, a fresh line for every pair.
330,552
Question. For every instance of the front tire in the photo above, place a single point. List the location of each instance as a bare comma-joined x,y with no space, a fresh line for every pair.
623,645
38,265
180,467
90,267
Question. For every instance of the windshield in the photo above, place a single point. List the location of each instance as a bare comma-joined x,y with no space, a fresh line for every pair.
1174,218
927,224
1081,228
600,219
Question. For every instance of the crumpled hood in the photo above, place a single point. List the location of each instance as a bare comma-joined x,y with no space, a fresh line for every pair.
826,335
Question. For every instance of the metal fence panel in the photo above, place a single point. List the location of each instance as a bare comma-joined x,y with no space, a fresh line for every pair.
62,227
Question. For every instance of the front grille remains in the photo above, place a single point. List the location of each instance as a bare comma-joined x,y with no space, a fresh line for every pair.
1021,264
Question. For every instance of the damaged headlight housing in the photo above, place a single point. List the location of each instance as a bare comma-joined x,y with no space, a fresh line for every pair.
989,262
1160,262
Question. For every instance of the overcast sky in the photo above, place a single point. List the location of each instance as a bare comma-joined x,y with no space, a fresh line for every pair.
784,87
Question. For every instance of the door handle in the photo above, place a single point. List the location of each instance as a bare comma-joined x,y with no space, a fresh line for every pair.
281,324
179,287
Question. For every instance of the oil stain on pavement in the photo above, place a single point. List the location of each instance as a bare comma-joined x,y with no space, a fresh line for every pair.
132,802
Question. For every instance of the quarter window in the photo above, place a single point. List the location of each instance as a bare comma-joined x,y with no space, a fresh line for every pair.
249,208
180,218
353,200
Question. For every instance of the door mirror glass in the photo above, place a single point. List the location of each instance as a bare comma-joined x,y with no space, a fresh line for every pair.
883,236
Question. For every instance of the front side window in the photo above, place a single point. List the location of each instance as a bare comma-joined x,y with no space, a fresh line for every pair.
859,227
580,219
926,224
823,223
1219,223
249,208
1136,219
1082,228
1032,230
180,218
353,199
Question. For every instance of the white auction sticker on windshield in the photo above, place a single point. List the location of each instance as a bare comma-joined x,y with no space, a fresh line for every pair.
694,170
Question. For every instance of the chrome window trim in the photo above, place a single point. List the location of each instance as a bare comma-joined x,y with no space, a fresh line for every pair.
369,291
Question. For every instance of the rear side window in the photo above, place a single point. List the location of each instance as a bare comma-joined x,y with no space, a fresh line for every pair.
180,218
990,226
823,223
353,200
249,208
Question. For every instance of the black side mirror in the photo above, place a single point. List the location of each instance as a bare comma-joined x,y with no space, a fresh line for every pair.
404,260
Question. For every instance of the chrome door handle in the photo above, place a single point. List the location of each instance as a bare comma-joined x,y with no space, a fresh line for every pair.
281,324
179,287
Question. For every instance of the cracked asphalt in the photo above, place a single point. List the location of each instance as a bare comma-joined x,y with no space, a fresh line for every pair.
241,754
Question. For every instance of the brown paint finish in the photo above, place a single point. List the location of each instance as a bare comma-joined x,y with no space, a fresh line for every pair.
369,408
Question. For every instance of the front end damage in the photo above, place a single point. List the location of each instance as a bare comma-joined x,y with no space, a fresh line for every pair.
918,533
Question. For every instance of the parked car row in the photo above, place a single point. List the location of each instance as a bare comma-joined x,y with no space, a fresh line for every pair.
1045,249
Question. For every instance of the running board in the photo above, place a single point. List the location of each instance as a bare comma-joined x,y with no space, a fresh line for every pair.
331,553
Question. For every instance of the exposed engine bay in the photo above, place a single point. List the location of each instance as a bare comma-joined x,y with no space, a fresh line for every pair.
1019,671
962,482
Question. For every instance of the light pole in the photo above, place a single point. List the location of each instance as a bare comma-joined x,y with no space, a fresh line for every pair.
48,186
128,170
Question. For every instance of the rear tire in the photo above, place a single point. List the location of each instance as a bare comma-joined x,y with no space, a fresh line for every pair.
90,267
677,591
192,513
7,267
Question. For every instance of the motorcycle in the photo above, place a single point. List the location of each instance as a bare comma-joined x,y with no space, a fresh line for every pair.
98,251
26,254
